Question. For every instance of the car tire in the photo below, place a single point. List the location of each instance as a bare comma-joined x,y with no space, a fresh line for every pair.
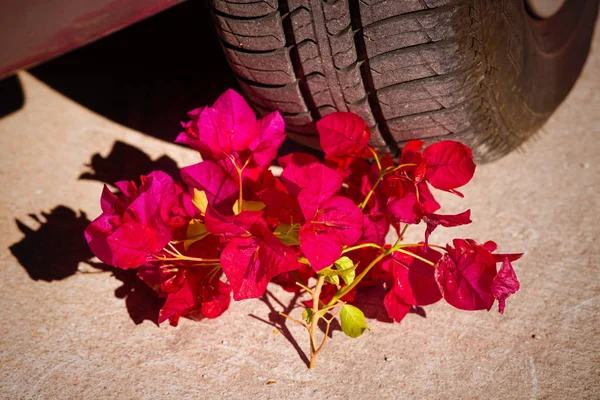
483,72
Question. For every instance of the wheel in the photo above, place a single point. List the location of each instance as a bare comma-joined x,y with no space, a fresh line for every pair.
485,72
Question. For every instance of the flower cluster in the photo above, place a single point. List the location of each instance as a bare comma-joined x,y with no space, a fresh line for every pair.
231,226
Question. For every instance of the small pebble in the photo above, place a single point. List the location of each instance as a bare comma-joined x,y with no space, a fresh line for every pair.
269,383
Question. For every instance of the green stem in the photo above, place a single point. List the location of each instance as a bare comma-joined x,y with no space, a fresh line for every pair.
403,232
326,308
381,175
366,200
361,246
437,246
408,253
397,247
186,258
357,280
402,166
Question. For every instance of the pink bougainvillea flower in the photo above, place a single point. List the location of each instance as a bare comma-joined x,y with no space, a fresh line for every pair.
250,263
131,226
331,222
220,188
179,302
344,138
330,225
217,131
448,221
320,185
412,282
492,246
302,171
322,247
375,228
270,135
430,205
234,122
449,165
406,209
229,130
131,243
199,292
466,276
281,206
410,210
215,298
296,159
253,256
415,165
171,279
344,134
232,225
178,212
411,152
505,283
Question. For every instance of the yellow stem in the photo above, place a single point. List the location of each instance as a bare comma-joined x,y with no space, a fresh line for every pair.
304,287
360,246
174,249
186,258
413,255
351,286
402,166
327,326
403,232
381,175
314,350
366,200
293,320
240,200
372,150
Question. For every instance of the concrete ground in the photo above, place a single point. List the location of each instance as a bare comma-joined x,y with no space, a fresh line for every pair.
71,329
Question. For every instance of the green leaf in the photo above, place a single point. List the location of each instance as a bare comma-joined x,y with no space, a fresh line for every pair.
343,267
344,263
196,231
329,271
200,200
353,321
307,315
248,205
347,269
333,279
288,234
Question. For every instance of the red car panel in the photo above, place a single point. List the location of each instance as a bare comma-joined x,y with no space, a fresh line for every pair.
32,31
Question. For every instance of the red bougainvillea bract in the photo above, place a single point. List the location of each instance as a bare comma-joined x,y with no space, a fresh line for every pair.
229,227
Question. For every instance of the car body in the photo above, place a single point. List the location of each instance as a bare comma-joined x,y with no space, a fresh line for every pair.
34,31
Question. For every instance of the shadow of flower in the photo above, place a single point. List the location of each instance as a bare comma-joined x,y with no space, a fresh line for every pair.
126,162
56,249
